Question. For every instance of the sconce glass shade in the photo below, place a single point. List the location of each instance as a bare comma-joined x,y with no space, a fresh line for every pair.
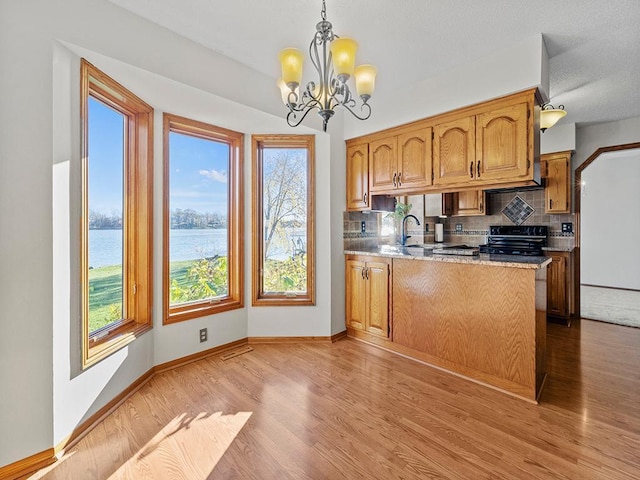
549,116
343,53
365,76
291,61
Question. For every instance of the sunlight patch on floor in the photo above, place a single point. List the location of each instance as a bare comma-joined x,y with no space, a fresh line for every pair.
193,443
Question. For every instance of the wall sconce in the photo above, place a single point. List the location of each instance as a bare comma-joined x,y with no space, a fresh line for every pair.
549,115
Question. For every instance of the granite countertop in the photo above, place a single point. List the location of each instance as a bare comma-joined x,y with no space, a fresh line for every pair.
558,249
416,253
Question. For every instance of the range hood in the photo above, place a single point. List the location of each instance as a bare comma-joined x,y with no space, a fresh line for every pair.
537,183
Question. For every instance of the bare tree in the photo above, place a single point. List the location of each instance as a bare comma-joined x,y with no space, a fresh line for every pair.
284,193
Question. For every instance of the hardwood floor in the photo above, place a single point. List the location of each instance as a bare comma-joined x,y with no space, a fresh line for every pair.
350,410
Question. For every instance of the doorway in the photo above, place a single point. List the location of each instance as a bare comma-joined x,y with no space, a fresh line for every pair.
608,210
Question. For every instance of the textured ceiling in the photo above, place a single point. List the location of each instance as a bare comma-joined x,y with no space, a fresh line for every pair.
594,46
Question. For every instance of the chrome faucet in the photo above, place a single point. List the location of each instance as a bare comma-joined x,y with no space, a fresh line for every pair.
404,227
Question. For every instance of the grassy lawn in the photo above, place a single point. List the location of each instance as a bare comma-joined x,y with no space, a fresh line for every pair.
105,292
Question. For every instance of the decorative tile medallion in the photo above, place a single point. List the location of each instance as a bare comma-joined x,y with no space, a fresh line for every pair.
517,210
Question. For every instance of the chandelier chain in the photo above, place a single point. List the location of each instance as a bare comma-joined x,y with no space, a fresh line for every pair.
323,12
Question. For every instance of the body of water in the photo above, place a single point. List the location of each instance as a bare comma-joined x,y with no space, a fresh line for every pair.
105,246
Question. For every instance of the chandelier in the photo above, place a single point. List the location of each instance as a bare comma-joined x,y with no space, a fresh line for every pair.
549,115
334,60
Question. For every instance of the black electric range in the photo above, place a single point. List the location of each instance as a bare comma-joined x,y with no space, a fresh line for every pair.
516,240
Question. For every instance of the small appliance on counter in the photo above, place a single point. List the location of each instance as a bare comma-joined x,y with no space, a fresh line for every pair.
439,233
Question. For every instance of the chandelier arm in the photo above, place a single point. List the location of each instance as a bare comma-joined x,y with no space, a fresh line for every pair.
365,106
292,116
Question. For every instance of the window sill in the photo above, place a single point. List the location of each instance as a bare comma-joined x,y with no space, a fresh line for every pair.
102,345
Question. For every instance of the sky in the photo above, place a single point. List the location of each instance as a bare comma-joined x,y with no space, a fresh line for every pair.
198,167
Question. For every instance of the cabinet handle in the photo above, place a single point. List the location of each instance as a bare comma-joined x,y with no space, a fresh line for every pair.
481,207
471,169
399,178
394,179
366,273
550,203
364,198
478,169
362,272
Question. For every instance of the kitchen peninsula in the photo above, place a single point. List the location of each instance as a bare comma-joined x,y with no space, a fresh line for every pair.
482,317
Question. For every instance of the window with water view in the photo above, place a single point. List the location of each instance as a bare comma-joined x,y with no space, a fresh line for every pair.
105,196
116,231
201,226
283,216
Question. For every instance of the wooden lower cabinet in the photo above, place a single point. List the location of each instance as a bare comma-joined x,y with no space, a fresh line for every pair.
450,315
367,294
559,292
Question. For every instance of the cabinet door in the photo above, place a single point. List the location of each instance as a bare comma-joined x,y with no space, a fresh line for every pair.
414,159
358,177
454,151
377,276
557,285
383,172
556,190
356,285
501,144
471,202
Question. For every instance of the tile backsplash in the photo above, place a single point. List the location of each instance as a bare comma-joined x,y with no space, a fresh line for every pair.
470,230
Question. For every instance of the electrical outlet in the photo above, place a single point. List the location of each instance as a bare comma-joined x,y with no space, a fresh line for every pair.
363,226
458,227
567,227
203,335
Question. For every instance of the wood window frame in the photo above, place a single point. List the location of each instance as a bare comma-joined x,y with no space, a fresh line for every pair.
259,297
137,275
235,220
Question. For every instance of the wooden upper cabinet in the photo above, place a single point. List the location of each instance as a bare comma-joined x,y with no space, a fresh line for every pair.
501,143
383,173
466,203
556,168
454,151
471,202
401,163
414,159
358,177
482,146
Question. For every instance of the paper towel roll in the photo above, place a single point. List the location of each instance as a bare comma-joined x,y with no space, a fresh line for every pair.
439,235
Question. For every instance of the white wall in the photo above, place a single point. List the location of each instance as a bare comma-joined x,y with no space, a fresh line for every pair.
560,138
593,268
44,392
609,203
592,137
517,67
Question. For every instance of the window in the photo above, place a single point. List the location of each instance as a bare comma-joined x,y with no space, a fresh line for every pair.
116,234
203,207
283,220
